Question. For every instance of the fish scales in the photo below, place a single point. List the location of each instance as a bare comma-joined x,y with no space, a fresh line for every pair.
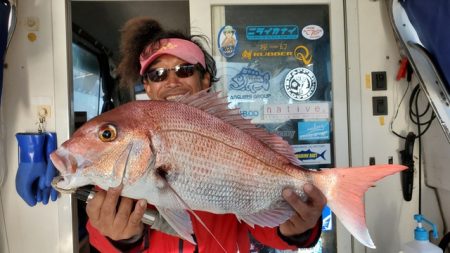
224,170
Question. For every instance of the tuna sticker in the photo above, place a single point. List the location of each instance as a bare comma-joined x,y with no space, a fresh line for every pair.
313,130
272,32
327,219
228,41
312,32
313,153
249,79
300,84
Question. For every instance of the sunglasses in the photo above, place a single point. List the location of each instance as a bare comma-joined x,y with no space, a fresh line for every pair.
161,74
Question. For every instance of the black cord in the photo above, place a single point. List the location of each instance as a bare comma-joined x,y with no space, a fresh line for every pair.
417,91
391,126
422,127
414,115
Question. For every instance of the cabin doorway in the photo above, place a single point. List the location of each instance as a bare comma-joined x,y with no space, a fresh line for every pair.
95,54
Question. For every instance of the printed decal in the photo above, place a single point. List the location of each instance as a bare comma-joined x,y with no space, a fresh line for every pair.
249,79
300,84
296,111
327,219
302,54
272,32
313,130
280,46
228,41
312,32
313,153
250,110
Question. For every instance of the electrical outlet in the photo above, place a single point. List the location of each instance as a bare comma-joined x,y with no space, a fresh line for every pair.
380,105
379,81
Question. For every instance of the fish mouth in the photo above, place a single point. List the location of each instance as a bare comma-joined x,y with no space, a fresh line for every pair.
60,183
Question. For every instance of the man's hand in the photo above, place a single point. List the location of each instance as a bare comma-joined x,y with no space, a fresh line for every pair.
306,213
119,223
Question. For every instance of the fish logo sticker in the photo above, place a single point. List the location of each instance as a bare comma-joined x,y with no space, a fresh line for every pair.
249,79
228,41
312,32
300,84
311,154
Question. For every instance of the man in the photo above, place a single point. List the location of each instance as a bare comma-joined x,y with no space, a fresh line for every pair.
171,65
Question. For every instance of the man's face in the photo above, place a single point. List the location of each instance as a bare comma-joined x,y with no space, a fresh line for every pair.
174,86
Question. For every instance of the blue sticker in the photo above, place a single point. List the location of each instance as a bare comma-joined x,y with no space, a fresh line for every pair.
272,32
313,130
249,79
327,219
227,41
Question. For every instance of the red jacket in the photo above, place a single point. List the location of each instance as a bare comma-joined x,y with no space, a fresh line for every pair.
232,234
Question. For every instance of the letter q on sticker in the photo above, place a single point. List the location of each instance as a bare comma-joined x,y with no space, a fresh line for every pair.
312,32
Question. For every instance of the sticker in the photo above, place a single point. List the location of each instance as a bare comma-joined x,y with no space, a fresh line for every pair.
228,41
272,32
249,54
312,32
249,79
267,46
32,37
327,219
313,130
296,111
300,84
313,153
247,84
285,130
302,54
250,110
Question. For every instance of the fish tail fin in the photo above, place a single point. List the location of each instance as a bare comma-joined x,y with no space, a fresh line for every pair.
345,188
322,155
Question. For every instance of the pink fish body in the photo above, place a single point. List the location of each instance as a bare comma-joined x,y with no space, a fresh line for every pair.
196,154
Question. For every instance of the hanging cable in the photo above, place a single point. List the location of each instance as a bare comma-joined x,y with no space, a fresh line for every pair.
391,125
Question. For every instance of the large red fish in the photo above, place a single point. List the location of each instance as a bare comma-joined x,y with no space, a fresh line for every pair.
196,154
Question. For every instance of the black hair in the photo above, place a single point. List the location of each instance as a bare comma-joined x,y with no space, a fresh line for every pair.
138,33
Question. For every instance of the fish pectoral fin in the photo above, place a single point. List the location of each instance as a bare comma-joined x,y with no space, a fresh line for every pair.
269,217
180,221
183,203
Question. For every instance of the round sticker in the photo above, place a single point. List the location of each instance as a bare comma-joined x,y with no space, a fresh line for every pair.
300,84
312,32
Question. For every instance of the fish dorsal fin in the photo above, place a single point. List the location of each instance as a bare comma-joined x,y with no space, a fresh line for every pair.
216,104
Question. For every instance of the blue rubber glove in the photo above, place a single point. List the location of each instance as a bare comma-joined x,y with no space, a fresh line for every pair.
32,166
51,172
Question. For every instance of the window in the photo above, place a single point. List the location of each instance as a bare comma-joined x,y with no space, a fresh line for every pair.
87,88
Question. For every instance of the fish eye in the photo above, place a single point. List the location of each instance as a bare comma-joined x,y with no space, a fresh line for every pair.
107,133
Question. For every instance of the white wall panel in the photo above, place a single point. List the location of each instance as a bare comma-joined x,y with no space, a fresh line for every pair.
389,217
29,79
